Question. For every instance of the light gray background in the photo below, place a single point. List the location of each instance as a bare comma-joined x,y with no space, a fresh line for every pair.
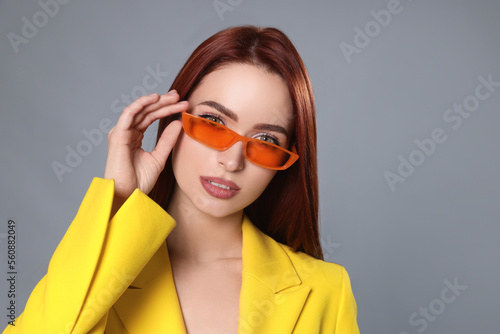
399,246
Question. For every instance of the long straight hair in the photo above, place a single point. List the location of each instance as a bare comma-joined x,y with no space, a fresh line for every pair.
287,210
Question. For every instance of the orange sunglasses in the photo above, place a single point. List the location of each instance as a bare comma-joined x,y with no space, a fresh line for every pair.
219,137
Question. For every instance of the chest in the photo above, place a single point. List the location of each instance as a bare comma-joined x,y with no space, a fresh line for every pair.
209,295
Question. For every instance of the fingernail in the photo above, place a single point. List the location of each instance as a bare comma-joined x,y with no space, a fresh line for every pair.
172,92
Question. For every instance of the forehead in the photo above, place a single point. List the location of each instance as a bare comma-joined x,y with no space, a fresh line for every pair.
252,93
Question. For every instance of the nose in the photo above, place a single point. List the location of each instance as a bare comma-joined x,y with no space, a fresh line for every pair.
232,159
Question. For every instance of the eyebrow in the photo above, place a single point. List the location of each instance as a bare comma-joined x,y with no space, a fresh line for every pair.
223,109
231,114
271,127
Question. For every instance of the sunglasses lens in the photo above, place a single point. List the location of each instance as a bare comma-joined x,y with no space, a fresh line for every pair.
209,133
266,155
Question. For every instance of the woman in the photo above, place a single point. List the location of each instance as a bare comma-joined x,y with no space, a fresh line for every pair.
239,184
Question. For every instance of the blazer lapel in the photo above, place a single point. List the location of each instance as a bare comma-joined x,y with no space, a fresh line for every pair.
271,299
151,304
272,296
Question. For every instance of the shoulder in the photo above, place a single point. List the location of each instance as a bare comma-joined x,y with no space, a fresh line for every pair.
330,296
272,258
313,271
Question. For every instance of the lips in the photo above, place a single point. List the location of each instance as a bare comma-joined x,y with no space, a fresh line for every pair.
218,187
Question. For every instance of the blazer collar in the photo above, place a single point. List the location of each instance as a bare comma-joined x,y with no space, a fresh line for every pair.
266,260
271,298
272,295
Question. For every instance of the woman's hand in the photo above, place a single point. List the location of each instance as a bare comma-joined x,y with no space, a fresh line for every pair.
127,163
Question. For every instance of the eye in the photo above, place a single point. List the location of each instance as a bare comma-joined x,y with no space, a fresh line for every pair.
268,138
213,118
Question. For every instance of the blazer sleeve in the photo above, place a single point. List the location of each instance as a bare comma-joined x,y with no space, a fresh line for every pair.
94,263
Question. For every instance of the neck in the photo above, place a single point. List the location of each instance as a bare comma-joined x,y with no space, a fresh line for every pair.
201,238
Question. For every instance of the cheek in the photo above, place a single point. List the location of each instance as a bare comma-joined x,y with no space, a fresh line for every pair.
257,179
186,156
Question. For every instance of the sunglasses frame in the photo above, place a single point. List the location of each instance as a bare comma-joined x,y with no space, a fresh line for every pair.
237,137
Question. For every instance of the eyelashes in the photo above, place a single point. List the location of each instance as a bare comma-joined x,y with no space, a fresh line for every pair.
213,117
269,138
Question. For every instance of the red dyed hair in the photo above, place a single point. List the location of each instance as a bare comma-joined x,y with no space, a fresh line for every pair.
287,210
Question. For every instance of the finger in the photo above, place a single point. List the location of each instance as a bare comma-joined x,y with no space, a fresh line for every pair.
166,99
127,117
166,142
161,113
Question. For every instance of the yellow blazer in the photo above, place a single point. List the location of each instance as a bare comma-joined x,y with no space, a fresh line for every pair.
115,277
